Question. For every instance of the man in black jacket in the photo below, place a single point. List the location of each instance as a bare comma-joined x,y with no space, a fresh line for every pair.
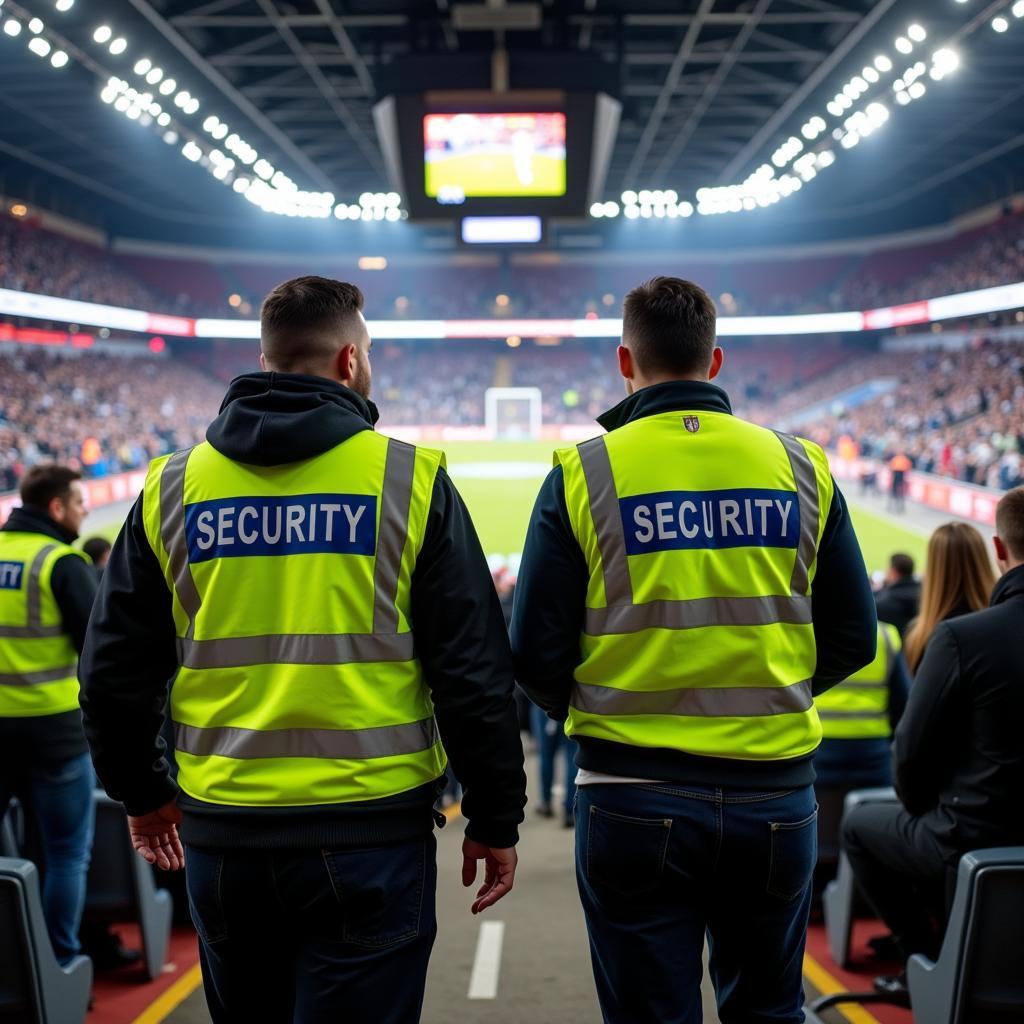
958,759
899,599
672,841
326,904
44,758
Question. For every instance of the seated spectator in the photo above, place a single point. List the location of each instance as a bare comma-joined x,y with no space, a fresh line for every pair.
98,549
958,761
958,580
858,717
899,600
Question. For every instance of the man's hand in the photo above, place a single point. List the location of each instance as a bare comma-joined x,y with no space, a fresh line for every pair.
499,872
155,837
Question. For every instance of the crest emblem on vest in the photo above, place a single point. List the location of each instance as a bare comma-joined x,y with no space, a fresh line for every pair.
692,423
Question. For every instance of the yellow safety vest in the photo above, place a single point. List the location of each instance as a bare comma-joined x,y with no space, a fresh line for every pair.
298,684
38,662
701,533
858,707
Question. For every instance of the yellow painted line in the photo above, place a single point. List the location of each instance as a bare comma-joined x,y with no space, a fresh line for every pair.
828,986
453,812
167,1002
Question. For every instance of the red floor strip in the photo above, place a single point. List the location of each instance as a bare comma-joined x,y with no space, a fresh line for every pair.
864,968
119,997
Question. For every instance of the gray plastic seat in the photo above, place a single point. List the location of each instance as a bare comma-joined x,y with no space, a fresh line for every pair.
840,900
34,988
9,846
121,887
978,978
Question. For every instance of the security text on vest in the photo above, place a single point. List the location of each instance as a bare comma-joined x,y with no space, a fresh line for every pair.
10,575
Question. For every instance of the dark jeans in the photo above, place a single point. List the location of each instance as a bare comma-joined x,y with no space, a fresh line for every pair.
551,739
59,796
309,936
660,866
901,871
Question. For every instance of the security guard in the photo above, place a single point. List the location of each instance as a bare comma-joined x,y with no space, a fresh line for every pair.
858,718
319,596
46,594
689,582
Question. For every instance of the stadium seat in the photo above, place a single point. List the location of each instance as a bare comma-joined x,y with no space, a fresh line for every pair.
34,988
977,978
840,895
9,831
121,886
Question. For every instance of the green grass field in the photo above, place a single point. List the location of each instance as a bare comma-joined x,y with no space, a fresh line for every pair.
500,480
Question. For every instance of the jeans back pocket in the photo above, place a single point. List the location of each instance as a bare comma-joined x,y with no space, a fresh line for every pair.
625,854
794,852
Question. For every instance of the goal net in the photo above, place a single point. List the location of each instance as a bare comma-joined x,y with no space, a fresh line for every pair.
512,413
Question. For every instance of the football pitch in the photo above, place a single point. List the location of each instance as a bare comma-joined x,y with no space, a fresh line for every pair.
499,481
496,175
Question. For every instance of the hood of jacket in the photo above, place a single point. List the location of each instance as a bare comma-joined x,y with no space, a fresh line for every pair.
28,519
270,419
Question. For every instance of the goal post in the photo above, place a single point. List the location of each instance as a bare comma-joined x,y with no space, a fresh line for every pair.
512,413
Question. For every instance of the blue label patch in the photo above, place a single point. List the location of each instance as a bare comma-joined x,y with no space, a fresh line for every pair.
11,574
301,524
687,520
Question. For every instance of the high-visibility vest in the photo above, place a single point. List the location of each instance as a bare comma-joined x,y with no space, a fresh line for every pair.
38,662
298,681
701,533
858,707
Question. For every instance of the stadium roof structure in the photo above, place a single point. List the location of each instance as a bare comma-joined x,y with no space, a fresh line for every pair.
710,90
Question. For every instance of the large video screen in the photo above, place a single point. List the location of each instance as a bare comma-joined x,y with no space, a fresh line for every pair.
493,155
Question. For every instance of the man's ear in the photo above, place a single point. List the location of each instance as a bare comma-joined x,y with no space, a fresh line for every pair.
717,358
263,363
1002,554
626,367
346,363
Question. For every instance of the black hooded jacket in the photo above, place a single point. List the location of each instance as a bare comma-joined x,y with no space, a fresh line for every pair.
270,419
49,738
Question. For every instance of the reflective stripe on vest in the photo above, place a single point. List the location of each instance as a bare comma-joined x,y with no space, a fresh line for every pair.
842,708
33,599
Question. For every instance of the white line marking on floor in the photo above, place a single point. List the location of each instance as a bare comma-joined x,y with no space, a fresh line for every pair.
483,982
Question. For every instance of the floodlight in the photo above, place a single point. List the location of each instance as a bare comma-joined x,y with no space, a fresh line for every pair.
629,197
163,119
883,63
35,26
39,46
59,59
917,33
167,86
170,138
1018,9
118,46
903,44
1000,24
870,74
154,75
102,34
64,5
122,103
917,90
597,209
142,66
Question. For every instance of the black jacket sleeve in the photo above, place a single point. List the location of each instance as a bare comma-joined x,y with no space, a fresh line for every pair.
462,644
842,605
930,725
128,660
73,583
551,593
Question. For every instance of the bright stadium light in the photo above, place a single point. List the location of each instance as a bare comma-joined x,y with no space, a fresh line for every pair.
12,27
142,66
869,74
170,138
39,46
903,44
1000,24
154,75
167,86
102,34
59,59
917,90
883,63
917,33
1018,9
118,46
64,5
35,26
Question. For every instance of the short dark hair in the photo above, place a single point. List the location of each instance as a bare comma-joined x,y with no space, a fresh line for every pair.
1010,521
669,325
902,565
96,548
300,320
42,483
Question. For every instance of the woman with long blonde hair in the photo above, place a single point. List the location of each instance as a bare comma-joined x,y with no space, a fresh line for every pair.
959,579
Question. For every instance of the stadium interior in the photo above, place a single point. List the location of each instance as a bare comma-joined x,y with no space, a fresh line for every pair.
845,178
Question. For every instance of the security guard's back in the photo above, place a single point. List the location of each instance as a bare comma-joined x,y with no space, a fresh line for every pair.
689,582
318,593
